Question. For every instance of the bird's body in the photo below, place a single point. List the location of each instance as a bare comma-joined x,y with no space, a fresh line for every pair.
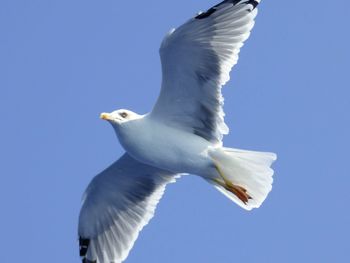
181,135
160,145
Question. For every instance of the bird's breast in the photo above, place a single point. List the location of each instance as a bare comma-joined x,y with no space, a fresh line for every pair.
164,147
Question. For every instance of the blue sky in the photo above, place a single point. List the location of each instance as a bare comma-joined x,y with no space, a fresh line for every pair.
63,62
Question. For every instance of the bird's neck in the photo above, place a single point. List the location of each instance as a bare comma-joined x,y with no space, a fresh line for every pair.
130,132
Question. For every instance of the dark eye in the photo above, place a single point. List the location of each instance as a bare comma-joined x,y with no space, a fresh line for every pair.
123,114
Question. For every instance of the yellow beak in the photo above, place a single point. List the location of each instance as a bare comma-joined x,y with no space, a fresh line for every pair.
105,116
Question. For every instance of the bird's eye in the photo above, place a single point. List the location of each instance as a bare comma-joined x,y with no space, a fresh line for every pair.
123,114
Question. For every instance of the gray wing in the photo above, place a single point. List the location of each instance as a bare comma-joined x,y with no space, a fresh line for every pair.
196,61
117,204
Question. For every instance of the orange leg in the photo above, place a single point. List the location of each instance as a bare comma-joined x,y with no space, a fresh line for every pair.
237,190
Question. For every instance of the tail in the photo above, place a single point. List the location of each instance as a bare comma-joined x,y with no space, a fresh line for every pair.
243,176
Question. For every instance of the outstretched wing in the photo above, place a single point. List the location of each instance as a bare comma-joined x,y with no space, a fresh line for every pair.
117,204
196,61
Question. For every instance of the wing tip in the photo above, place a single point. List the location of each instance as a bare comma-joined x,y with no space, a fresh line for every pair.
254,3
83,246
213,9
83,249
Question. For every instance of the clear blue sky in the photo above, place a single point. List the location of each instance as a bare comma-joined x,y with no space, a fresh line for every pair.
63,62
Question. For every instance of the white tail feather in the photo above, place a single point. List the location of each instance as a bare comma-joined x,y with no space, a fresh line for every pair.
248,169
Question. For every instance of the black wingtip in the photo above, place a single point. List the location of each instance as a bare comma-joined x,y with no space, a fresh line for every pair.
212,10
253,3
83,246
206,14
83,249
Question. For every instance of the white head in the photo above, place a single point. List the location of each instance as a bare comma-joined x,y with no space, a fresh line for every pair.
119,116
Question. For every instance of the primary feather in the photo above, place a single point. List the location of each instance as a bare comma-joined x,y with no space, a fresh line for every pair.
196,60
117,204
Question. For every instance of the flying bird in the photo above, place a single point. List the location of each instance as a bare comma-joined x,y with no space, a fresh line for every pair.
181,135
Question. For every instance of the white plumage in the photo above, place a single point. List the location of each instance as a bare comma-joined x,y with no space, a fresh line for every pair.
116,206
181,135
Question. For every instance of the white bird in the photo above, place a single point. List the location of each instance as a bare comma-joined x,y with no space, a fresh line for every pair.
181,135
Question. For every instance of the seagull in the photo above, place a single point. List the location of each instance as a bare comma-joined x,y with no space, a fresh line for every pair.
181,135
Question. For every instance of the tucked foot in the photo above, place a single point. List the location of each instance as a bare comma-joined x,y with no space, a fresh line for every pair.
237,190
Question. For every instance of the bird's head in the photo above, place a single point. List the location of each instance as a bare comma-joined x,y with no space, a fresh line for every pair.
119,116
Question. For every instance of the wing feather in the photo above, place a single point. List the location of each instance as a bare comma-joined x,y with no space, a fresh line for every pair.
196,61
117,204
